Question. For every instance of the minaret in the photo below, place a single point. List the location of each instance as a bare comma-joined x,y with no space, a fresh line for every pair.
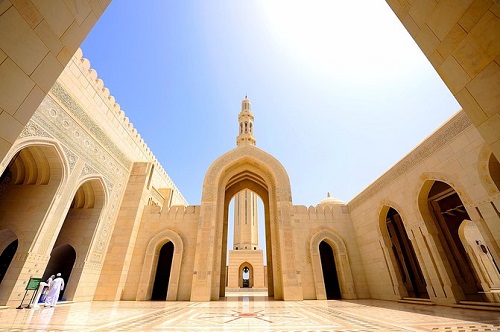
246,229
245,203
245,119
246,257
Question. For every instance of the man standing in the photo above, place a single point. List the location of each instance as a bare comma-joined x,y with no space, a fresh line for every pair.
55,287
45,290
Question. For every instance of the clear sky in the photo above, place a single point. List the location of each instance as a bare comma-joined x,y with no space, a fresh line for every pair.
339,90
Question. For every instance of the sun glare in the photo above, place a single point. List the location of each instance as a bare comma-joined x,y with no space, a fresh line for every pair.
346,38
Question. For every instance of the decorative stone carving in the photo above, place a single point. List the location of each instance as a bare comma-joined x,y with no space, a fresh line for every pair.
444,135
71,157
76,110
33,129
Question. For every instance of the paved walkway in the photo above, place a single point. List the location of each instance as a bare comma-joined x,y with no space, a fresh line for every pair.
248,313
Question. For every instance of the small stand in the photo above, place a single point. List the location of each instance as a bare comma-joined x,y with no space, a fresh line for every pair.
33,284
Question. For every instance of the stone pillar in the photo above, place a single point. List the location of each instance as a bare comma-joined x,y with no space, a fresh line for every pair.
461,39
37,40
122,243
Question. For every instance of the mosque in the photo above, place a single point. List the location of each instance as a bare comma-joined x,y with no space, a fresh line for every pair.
82,194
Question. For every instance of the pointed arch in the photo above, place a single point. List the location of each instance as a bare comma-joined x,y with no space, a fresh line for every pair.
401,254
42,142
245,167
443,205
488,169
488,270
145,288
346,281
250,273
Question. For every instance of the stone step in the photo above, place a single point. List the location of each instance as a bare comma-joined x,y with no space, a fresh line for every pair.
487,304
416,300
476,307
246,290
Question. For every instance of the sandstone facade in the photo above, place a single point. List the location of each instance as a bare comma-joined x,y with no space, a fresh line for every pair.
82,193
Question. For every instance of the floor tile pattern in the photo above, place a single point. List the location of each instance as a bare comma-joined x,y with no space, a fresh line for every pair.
249,313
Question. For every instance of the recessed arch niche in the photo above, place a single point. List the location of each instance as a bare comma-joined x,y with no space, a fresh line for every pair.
327,236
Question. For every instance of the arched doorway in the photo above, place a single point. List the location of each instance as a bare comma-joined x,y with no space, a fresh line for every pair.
404,255
78,232
162,275
245,274
260,188
245,167
28,187
62,260
330,265
447,212
150,264
8,248
330,277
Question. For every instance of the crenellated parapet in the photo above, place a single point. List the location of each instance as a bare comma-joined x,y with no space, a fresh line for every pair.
82,84
319,212
180,212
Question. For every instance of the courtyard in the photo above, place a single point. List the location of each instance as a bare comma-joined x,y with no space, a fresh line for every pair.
252,312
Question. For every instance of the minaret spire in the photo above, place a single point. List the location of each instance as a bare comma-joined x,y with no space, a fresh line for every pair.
245,119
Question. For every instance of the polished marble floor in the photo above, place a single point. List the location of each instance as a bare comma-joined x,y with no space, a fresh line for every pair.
255,312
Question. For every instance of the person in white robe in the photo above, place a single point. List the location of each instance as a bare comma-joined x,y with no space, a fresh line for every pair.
45,290
56,286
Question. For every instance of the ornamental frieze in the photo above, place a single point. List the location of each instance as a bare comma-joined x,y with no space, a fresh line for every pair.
438,140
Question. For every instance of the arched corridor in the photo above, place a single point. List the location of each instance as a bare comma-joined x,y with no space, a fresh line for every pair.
28,186
62,260
78,232
403,254
447,212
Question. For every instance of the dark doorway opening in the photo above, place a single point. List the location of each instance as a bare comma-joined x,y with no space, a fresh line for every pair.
61,261
406,259
449,212
162,277
6,258
330,277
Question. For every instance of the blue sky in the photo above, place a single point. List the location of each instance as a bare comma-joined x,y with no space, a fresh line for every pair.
339,90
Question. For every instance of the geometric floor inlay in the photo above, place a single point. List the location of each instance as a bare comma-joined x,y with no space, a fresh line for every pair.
249,313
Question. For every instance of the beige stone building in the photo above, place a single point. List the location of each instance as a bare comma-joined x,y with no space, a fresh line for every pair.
81,193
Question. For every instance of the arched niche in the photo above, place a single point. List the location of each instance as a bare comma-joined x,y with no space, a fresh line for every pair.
245,167
148,272
343,267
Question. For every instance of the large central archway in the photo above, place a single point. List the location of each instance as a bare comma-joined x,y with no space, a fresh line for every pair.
245,167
